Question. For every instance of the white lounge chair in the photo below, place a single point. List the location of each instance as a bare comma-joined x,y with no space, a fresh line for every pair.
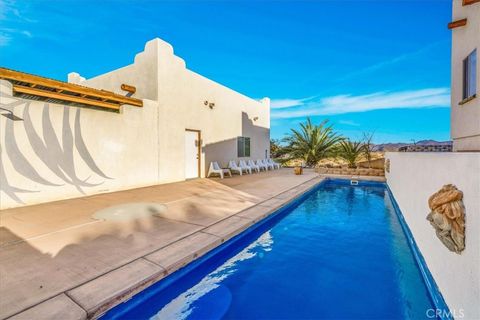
261,165
242,164
232,165
265,162
275,165
252,165
215,169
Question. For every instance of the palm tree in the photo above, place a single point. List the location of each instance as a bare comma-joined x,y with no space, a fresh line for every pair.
350,151
311,143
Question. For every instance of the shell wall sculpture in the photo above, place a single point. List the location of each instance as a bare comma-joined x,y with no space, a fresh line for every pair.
447,216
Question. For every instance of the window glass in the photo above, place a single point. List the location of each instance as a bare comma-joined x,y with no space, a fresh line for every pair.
470,75
240,147
243,147
247,147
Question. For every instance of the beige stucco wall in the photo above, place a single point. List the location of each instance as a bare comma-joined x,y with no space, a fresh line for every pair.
465,119
181,94
136,147
413,178
46,144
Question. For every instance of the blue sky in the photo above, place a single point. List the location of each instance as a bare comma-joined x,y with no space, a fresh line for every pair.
380,66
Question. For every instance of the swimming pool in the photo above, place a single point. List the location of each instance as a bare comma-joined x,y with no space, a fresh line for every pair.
339,252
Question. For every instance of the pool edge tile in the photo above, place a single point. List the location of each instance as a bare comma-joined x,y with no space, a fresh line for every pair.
105,292
58,307
255,213
184,251
229,227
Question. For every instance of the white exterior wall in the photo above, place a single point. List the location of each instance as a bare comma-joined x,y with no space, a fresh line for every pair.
136,147
181,94
465,118
413,178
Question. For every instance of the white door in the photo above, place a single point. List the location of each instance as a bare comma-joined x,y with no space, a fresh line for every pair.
192,157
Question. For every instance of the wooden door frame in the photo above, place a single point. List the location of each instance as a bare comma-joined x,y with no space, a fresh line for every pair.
199,150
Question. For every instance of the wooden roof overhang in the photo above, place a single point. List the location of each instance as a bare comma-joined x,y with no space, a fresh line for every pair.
39,88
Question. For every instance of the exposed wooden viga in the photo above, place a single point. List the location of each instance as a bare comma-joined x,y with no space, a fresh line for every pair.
469,2
448,217
456,24
39,88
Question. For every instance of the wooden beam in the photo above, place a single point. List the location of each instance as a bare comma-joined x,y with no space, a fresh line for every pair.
469,2
12,75
126,87
458,23
63,97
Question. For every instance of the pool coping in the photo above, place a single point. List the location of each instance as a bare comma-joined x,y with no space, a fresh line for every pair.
94,298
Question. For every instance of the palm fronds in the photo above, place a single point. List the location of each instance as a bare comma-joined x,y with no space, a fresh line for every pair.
350,151
311,142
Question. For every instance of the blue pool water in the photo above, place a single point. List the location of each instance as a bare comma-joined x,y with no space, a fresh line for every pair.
338,254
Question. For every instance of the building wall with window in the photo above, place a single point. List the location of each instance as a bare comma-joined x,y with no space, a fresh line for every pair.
465,100
59,151
188,100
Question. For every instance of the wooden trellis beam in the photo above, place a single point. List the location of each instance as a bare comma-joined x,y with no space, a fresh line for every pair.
31,85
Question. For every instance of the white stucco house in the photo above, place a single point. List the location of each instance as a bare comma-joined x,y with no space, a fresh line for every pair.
167,124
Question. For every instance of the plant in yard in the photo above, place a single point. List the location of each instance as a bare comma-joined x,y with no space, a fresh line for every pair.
311,142
350,151
368,146
275,148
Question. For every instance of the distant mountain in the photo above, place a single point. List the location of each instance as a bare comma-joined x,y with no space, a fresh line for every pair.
396,146
433,143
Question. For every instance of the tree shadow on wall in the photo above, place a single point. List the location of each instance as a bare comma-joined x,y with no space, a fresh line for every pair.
55,151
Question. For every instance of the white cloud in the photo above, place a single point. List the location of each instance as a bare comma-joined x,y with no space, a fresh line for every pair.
287,103
4,40
423,98
3,7
382,64
349,123
11,15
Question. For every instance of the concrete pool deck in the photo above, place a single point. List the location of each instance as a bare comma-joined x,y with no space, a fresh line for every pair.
57,262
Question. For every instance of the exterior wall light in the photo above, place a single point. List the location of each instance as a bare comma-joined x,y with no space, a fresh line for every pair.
9,115
255,118
211,105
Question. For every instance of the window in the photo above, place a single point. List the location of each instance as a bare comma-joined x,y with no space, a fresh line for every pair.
470,75
243,147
